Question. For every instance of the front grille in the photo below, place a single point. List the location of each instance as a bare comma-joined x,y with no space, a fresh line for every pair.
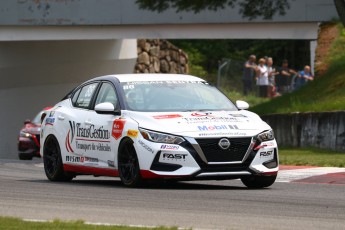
236,151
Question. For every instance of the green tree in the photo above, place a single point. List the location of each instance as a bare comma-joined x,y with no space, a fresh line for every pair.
250,9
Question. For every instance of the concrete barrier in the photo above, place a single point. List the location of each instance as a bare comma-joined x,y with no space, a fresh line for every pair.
324,130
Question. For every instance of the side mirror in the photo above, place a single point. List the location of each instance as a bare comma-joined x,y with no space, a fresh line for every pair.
242,105
106,108
27,121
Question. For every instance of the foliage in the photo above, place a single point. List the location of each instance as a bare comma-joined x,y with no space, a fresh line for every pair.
326,93
16,223
250,9
311,157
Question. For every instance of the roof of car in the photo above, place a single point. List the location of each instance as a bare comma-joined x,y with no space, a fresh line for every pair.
154,77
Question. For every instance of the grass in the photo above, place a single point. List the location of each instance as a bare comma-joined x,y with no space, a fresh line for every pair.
252,99
326,93
311,157
16,223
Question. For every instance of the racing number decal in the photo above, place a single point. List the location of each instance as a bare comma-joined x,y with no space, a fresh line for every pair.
118,127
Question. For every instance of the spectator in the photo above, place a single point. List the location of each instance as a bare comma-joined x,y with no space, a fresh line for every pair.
303,77
271,91
249,74
283,79
262,78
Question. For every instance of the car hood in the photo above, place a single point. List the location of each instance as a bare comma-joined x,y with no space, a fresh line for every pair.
31,128
202,124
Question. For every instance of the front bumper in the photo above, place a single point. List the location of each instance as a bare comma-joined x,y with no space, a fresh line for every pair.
192,160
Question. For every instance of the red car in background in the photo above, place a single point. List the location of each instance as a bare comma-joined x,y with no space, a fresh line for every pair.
29,138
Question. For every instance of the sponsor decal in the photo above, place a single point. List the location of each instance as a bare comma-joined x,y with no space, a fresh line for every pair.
209,119
222,134
169,116
118,127
145,146
132,133
216,127
76,159
50,120
51,114
111,163
202,114
92,132
170,147
266,154
172,156
161,82
237,115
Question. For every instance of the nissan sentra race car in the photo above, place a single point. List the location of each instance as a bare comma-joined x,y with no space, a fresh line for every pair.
156,126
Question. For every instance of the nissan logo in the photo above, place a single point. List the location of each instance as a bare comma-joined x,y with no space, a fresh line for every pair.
224,143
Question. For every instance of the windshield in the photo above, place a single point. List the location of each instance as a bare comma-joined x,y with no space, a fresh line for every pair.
37,119
167,96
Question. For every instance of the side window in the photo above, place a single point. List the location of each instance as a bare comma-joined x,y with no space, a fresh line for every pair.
107,94
85,96
75,97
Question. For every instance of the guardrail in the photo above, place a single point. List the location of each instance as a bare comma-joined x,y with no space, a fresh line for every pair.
324,130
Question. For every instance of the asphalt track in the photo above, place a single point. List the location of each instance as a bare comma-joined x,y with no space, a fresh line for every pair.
25,192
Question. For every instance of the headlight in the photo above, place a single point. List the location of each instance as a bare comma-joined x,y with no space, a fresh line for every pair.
266,136
161,137
25,134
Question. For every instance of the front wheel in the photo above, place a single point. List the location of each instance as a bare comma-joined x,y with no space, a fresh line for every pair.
52,161
129,169
258,181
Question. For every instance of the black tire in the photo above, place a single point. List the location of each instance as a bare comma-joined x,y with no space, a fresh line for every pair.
23,156
129,169
52,161
258,181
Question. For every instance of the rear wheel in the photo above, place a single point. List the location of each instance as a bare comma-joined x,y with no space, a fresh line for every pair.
258,181
129,170
52,160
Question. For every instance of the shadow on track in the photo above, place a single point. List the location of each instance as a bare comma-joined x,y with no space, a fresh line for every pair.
157,185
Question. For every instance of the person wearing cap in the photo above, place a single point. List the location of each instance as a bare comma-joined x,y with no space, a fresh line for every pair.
249,74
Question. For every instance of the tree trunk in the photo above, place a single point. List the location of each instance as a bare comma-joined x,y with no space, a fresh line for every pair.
340,6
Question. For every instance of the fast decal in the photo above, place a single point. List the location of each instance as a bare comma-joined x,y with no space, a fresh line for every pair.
77,159
266,154
170,147
132,133
172,156
216,127
169,116
118,127
145,146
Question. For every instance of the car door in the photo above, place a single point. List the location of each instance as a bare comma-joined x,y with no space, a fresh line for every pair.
77,140
104,146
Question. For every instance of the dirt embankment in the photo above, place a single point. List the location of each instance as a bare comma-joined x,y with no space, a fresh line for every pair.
327,33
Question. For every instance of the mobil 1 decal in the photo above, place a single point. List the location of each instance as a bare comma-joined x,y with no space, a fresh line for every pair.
87,138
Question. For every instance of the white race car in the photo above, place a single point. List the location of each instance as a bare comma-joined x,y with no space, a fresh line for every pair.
156,126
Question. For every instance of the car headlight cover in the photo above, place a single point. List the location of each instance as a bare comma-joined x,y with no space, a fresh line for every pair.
161,137
266,136
25,134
